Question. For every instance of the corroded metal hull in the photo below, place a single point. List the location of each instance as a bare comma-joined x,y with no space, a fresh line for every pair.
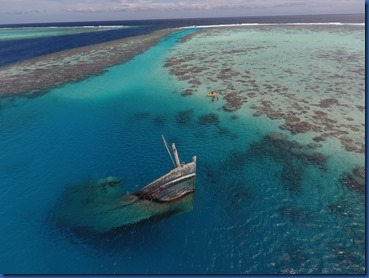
177,183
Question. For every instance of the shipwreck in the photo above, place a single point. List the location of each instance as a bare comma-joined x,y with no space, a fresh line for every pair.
103,205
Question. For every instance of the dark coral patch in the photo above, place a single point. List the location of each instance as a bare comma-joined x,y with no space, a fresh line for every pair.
234,102
296,126
355,180
361,108
293,157
292,175
184,117
223,131
187,92
297,215
159,121
325,103
238,197
209,119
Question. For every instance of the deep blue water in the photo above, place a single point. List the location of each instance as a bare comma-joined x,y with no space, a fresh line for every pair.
259,207
18,50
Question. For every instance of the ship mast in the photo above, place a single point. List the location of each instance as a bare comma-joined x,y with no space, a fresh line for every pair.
166,146
175,152
176,155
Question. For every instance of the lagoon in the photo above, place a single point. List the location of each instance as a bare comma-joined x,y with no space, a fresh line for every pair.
267,201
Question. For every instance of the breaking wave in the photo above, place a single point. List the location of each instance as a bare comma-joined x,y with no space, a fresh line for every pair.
272,24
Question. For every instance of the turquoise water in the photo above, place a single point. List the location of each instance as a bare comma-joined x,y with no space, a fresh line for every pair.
259,207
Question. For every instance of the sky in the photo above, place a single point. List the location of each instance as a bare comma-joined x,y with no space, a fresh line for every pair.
34,11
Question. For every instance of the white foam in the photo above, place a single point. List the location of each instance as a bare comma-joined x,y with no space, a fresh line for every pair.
271,24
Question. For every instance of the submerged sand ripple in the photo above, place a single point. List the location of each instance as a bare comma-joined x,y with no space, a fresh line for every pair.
44,72
312,78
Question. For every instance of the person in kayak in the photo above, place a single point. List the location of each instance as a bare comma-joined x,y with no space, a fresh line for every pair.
213,96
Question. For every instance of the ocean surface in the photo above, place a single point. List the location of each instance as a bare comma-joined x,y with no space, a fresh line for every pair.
264,203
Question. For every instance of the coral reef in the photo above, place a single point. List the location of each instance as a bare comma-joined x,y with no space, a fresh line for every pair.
42,73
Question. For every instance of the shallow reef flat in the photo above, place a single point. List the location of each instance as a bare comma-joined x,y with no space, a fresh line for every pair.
34,76
311,79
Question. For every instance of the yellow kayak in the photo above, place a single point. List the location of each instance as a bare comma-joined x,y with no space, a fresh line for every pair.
212,95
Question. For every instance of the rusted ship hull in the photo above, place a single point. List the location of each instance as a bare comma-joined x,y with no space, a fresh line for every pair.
102,205
177,183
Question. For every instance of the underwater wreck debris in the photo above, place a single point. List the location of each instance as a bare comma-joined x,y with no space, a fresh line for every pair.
102,205
109,181
355,180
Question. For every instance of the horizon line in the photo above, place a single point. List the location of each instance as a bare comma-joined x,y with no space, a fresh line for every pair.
178,18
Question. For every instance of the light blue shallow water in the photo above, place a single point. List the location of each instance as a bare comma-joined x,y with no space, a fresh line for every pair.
247,218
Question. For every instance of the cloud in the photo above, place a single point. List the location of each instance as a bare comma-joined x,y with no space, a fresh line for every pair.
150,5
27,7
62,10
83,10
26,12
202,5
